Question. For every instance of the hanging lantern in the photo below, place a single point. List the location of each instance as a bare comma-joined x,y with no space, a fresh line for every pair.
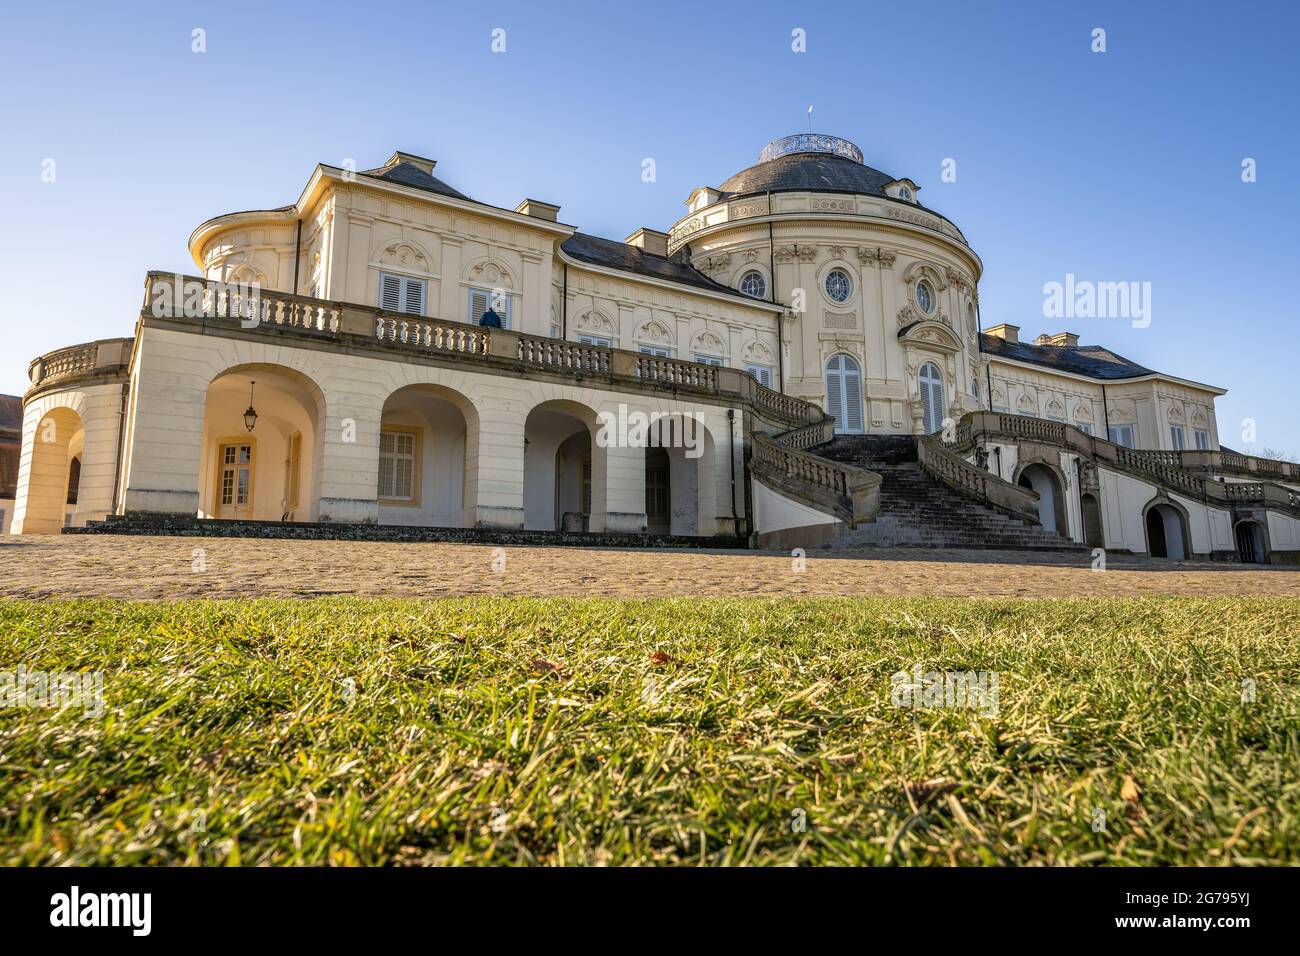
250,415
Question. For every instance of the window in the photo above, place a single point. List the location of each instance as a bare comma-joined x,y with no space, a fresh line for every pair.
661,351
925,297
708,360
401,294
904,193
1121,435
753,284
1085,427
761,372
1202,439
1177,437
397,465
480,300
931,381
844,394
838,285
597,341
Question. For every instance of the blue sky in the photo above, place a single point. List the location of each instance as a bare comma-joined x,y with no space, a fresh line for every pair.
1115,166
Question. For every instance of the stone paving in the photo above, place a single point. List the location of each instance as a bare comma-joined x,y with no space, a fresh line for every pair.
140,567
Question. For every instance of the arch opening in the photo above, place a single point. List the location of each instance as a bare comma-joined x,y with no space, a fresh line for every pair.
1252,546
1166,532
54,475
271,471
428,439
1051,500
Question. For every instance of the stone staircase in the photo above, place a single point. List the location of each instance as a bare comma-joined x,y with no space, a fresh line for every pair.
918,511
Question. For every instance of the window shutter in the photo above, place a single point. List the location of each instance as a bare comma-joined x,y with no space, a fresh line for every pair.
852,396
835,394
478,304
414,303
390,293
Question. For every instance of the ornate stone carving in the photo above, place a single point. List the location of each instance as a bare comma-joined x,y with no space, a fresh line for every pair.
887,258
785,253
405,254
837,252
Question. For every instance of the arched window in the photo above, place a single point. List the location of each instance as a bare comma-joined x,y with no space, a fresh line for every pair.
844,394
838,285
904,193
931,397
753,284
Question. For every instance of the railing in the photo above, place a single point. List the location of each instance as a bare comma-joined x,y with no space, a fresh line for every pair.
671,371
1187,472
562,355
105,358
429,336
851,493
960,475
809,436
247,307
1235,463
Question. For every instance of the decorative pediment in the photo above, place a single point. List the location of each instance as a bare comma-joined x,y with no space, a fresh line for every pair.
932,333
597,321
654,331
1055,408
1198,417
1027,403
708,343
1176,413
758,353
1082,413
1121,414
491,273
404,254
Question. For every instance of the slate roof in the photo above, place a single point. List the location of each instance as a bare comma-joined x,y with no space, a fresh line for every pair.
619,255
1094,361
798,172
408,174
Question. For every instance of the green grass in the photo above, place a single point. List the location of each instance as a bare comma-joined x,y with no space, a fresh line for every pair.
460,744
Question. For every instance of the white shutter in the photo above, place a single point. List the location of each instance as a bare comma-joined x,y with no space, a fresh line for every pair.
852,396
931,382
413,290
478,304
390,292
835,393
761,372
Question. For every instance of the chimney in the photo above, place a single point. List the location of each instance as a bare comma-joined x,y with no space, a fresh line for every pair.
418,161
1067,340
649,240
1007,333
539,210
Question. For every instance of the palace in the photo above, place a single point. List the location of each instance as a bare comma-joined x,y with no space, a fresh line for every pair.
388,357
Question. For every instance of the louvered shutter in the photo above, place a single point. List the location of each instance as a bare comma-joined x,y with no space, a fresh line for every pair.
478,304
414,298
835,393
852,396
390,293
931,398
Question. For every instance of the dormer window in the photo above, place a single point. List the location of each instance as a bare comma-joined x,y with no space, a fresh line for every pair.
753,284
925,297
904,193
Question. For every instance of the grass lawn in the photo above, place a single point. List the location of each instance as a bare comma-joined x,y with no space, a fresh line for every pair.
721,731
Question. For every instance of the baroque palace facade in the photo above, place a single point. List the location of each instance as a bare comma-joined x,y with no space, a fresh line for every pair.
798,361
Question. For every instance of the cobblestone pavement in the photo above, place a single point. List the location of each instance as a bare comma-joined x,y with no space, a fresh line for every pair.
177,567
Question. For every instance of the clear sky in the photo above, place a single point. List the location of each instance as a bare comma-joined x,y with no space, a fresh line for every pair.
1117,166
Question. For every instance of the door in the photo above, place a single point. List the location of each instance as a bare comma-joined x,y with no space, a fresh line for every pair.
235,480
931,397
844,394
658,502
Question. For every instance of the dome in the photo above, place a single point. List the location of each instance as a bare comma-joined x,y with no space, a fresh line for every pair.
808,162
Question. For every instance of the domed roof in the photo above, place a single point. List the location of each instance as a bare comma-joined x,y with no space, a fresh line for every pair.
808,162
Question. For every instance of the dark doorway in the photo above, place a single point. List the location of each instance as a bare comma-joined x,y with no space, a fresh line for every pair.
1093,536
1156,535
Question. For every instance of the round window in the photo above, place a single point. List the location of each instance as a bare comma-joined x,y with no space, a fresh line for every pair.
753,284
838,285
924,297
